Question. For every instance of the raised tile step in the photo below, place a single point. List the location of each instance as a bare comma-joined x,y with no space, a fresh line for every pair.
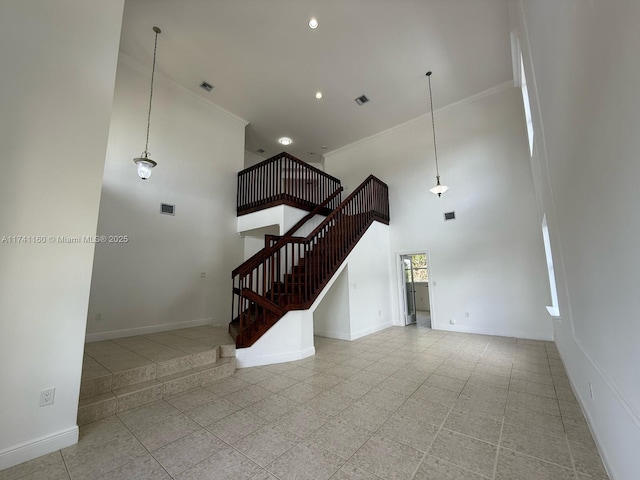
131,388
96,407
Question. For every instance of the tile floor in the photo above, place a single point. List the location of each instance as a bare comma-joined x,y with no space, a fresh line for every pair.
404,403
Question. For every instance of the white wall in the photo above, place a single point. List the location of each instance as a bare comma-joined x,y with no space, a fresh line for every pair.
358,302
154,281
251,159
583,72
58,63
332,318
490,260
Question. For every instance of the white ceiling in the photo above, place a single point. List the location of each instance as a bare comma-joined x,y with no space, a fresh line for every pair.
266,63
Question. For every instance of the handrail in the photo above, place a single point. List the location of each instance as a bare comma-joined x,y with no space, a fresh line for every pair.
312,214
284,180
265,252
291,273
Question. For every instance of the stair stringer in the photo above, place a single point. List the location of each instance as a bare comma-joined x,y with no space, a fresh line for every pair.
369,267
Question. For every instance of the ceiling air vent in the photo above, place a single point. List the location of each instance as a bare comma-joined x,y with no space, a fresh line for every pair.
167,209
449,216
206,86
361,100
260,150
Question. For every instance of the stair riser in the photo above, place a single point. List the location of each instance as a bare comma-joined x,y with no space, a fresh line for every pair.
95,386
127,378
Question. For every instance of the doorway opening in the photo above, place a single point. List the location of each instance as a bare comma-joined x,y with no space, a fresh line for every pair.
415,289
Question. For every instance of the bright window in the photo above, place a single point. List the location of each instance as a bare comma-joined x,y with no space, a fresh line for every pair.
527,106
554,309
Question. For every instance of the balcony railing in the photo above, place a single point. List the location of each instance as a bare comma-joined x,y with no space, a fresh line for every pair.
285,180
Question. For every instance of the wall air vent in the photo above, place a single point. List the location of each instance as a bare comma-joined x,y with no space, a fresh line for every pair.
206,86
361,100
449,216
167,209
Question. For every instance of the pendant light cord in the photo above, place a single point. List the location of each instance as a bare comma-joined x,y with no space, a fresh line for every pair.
433,125
153,72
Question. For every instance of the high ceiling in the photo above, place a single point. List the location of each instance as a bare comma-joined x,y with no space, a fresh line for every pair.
266,64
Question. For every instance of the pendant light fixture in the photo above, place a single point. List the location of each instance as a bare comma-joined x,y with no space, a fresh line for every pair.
144,163
438,189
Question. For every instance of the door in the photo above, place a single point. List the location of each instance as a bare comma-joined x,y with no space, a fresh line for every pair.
409,289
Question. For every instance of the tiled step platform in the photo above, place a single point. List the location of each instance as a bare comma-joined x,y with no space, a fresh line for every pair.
124,373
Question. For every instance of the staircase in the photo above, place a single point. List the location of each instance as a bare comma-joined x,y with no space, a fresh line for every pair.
290,272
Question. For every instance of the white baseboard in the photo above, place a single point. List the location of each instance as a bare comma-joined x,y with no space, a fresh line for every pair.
370,330
245,360
129,332
495,332
36,448
332,334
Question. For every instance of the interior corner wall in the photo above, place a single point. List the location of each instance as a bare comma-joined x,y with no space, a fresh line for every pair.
58,61
488,262
153,280
331,317
583,71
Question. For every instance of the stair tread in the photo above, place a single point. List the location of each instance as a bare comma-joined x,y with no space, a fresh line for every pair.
178,375
96,399
136,387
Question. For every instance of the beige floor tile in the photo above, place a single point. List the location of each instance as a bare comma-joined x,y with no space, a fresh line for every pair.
383,398
143,468
433,394
90,463
156,434
226,386
273,407
302,392
365,415
536,403
424,411
513,465
351,389
188,451
448,383
330,403
224,464
49,466
433,468
351,472
303,421
211,412
550,448
266,444
534,420
306,461
526,386
340,437
408,431
277,383
482,428
248,395
387,459
237,425
587,460
191,399
466,452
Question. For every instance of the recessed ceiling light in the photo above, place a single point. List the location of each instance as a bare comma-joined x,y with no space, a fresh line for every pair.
313,23
285,141
318,95
324,147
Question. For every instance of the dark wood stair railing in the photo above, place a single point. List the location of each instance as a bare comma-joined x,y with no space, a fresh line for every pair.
284,180
291,273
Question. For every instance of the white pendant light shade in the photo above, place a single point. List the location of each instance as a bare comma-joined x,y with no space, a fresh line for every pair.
144,167
439,189
144,163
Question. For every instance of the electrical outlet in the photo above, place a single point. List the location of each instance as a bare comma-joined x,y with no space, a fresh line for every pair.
379,313
203,274
98,317
47,397
466,314
591,392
